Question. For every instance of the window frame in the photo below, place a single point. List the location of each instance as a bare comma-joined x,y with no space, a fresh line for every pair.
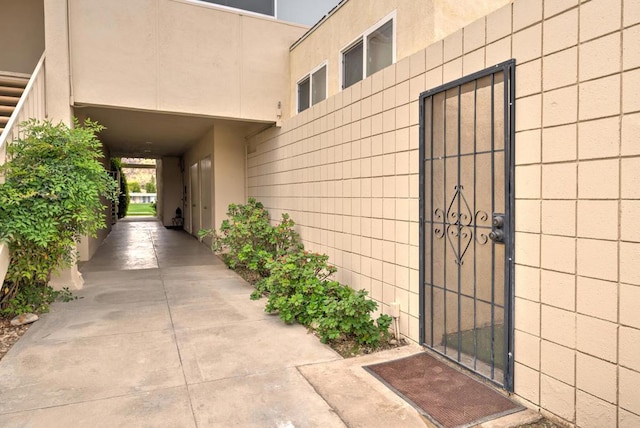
362,38
234,9
309,76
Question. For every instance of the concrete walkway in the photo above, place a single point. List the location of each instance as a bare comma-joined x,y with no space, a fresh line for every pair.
164,335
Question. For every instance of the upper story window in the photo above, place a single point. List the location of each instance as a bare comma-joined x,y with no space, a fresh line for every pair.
371,52
264,7
312,88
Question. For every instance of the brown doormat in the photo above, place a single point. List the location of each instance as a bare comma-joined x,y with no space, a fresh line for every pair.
446,396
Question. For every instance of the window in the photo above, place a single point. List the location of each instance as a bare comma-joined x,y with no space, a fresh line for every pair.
380,48
304,88
264,7
312,88
369,53
352,64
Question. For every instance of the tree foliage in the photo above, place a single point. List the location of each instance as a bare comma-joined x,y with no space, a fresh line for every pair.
54,182
134,187
123,188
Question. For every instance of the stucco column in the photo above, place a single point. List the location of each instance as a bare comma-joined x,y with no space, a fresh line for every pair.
58,91
58,74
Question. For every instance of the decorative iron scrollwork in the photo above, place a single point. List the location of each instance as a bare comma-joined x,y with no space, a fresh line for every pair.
457,224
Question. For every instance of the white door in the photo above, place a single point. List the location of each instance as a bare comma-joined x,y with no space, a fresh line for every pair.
194,191
206,186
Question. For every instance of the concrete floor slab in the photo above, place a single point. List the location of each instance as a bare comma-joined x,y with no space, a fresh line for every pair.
44,373
155,344
194,273
162,408
123,293
182,292
184,260
248,348
281,398
73,320
95,277
360,399
202,315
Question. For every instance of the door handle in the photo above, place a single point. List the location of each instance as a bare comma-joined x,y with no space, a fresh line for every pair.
497,228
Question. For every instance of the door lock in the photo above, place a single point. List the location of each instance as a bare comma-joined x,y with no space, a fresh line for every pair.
497,228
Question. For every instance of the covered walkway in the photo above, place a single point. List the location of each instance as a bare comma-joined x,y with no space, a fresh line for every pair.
164,335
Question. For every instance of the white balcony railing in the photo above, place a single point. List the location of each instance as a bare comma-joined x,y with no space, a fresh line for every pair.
32,105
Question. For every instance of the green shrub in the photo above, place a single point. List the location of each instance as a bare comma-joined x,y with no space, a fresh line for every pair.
297,283
299,289
123,188
51,197
249,240
348,313
134,187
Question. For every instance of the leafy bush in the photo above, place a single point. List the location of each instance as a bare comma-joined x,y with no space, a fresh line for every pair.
297,282
134,187
296,285
123,188
51,197
348,313
249,240
150,187
299,289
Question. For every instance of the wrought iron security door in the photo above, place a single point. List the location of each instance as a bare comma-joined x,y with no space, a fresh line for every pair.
466,218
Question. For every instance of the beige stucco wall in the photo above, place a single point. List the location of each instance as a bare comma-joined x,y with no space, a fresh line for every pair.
229,170
175,56
202,148
57,72
419,23
225,144
347,172
22,35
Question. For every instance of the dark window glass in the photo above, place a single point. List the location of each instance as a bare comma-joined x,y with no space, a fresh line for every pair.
319,85
304,89
265,7
352,65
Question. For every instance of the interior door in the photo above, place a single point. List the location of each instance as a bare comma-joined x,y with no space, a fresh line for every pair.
206,186
194,191
466,212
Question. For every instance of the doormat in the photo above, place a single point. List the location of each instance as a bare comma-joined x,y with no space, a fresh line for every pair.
446,396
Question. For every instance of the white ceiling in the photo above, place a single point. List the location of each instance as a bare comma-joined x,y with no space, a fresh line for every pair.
131,133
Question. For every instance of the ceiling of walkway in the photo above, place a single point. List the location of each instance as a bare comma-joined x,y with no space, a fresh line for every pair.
144,134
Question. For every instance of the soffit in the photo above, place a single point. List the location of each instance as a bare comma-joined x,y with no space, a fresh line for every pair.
131,133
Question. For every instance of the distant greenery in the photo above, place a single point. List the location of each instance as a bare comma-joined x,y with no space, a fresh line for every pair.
134,187
141,209
123,193
51,197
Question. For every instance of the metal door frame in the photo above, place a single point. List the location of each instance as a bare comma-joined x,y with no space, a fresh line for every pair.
508,70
